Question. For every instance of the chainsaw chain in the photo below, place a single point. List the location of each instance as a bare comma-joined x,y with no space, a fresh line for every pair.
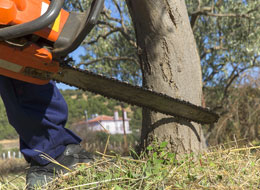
64,65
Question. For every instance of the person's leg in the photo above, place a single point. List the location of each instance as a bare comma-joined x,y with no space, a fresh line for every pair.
39,114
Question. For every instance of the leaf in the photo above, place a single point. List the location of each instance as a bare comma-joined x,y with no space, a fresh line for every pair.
163,144
117,188
149,148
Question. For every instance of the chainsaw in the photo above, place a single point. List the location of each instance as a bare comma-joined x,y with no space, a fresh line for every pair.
37,35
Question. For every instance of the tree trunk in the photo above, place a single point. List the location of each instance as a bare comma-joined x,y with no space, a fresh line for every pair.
170,65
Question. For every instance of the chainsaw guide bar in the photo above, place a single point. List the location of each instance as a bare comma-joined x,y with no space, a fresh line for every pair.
134,95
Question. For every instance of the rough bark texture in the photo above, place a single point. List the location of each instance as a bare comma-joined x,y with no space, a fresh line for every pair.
171,65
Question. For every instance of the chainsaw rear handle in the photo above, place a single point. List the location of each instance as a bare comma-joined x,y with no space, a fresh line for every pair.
95,10
88,20
30,27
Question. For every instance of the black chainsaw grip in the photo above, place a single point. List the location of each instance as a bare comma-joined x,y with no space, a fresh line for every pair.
30,27
92,14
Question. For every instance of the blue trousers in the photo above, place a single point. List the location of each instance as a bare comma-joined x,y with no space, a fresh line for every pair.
38,113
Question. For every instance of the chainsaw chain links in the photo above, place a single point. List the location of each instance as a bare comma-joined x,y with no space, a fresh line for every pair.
66,66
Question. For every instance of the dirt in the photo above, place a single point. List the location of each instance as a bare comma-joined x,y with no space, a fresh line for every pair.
9,143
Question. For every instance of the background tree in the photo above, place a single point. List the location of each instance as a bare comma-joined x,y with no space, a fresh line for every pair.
6,130
111,47
227,36
240,124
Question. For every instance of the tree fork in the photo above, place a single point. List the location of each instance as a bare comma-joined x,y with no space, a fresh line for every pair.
170,64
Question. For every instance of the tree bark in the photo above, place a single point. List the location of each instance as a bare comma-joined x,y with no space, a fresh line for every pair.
170,64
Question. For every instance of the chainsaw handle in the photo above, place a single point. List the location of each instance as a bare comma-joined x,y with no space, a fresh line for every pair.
95,11
30,27
92,18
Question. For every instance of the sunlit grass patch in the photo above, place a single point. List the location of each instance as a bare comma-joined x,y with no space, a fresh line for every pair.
235,168
12,166
218,169
12,174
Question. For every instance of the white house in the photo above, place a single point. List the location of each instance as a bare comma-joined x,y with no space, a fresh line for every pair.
113,124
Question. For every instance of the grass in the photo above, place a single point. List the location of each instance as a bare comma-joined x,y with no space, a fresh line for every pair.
234,168
13,182
12,174
12,166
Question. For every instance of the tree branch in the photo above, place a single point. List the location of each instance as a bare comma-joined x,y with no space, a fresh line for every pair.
210,50
226,15
105,13
208,11
122,30
104,36
196,14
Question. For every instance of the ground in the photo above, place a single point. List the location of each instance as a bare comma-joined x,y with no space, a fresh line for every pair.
220,168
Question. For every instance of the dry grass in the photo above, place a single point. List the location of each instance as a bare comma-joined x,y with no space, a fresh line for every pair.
12,166
13,182
219,169
12,174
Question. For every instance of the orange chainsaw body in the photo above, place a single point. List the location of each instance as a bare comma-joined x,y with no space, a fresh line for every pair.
14,12
14,59
35,35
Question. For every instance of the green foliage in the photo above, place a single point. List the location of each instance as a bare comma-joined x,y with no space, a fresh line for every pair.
96,141
239,119
136,119
228,38
159,157
79,102
6,130
110,47
116,138
218,169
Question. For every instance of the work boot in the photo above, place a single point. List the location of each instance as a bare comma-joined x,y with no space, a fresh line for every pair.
38,176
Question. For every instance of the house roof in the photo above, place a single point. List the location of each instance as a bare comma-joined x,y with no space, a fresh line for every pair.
100,118
105,118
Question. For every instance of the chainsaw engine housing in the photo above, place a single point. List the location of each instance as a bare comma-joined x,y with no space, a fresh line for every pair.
35,35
